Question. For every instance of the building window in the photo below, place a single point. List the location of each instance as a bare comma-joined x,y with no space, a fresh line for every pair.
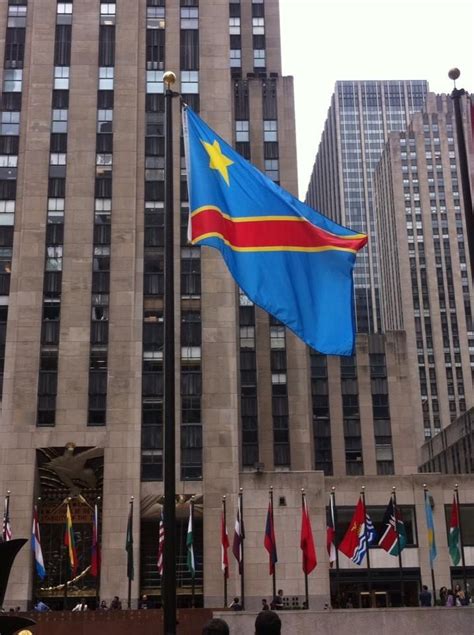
272,169
54,258
189,18
10,123
259,58
61,77
234,26
57,159
189,82
270,130
17,16
106,78
107,13
60,119
155,17
154,82
235,58
104,120
258,26
12,80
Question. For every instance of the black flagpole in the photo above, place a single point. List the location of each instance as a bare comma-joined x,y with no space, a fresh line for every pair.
224,573
193,579
400,565
129,593
242,538
456,96
303,512
169,560
333,514
369,571
461,539
273,529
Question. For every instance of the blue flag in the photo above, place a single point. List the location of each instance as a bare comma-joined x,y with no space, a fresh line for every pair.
287,258
430,528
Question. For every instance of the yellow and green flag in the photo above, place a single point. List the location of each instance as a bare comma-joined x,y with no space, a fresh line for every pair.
69,542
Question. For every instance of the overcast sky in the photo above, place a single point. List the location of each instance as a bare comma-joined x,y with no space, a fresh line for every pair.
328,40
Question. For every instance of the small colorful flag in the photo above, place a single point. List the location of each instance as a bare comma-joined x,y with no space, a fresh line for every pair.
95,560
288,258
270,540
190,543
430,528
6,527
394,537
239,537
307,541
224,547
129,545
331,533
161,544
359,535
454,539
36,545
70,542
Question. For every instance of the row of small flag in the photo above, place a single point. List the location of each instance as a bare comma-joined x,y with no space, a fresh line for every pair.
359,536
69,540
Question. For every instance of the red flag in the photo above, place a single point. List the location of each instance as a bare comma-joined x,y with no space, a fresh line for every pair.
224,547
307,542
95,561
270,540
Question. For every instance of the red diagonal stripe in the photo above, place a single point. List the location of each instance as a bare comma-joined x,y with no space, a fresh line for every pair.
295,234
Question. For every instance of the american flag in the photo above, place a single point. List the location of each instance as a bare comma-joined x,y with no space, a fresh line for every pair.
6,527
161,544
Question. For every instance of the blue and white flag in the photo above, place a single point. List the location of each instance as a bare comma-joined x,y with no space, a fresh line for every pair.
36,546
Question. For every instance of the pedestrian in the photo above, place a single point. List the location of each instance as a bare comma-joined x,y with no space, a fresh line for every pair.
235,605
103,606
216,626
459,596
425,596
116,603
265,606
277,602
81,606
143,604
267,623
450,601
443,595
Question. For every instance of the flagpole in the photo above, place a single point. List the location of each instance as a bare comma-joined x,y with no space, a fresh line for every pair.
194,555
273,529
306,588
461,539
400,564
6,516
97,578
242,574
224,515
169,416
67,568
369,571
333,513
431,560
129,593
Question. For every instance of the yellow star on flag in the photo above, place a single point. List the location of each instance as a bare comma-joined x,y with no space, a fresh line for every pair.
218,160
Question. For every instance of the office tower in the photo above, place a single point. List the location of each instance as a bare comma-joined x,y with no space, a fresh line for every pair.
424,267
361,115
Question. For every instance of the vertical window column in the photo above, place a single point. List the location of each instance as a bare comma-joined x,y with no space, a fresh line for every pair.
248,382
49,351
258,33
235,59
351,417
99,332
381,412
321,414
153,280
280,412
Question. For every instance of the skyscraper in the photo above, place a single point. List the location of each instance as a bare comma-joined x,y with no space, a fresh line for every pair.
361,115
424,269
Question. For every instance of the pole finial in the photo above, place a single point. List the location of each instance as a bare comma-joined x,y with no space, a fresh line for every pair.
169,79
241,489
132,498
393,488
456,485
302,490
333,488
454,74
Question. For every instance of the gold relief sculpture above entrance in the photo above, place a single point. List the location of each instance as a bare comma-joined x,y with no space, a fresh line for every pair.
72,468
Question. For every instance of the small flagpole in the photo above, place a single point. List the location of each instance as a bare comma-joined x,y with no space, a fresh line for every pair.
129,592
400,565
97,578
461,539
369,571
224,572
191,503
6,517
333,512
242,575
273,529
304,511
425,489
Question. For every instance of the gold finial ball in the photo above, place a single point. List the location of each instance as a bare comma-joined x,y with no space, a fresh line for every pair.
25,632
169,78
454,74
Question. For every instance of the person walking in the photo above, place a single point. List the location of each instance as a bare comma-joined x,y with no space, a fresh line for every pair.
425,596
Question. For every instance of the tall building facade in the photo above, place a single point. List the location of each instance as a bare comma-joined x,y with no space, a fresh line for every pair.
361,115
424,260
81,306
